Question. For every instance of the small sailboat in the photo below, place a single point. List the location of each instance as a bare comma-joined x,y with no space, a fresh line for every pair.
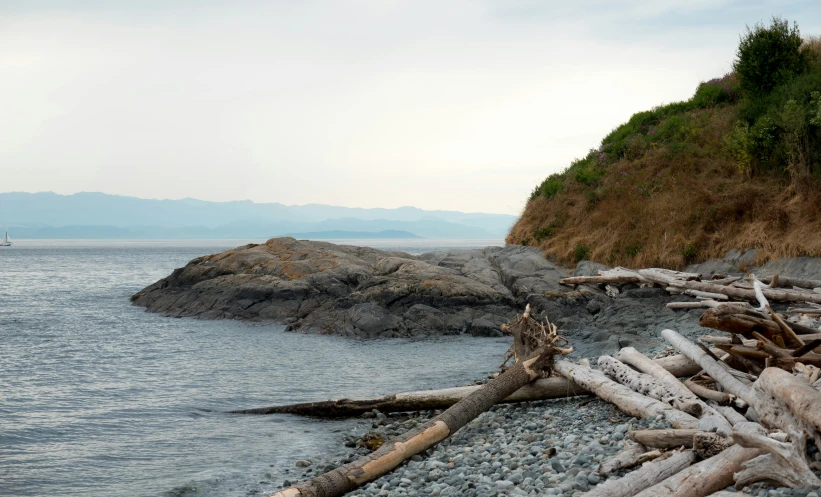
6,240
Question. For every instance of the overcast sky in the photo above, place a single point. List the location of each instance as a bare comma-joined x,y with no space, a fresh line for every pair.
445,104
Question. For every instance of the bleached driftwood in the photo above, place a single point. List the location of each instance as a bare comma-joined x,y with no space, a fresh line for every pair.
693,305
622,397
649,386
704,478
726,340
730,383
665,439
708,296
785,401
710,419
789,281
615,275
774,294
648,475
783,463
626,458
730,414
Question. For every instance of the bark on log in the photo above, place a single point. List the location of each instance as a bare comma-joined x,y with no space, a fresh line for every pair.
351,476
704,478
648,475
776,294
710,419
665,439
789,281
423,400
625,459
783,463
714,369
622,397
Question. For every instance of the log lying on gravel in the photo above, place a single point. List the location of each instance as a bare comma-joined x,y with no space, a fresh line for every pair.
665,439
715,370
346,478
627,458
423,400
615,275
783,463
704,478
711,420
622,397
648,475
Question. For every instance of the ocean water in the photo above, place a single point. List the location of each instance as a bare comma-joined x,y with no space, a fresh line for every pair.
98,397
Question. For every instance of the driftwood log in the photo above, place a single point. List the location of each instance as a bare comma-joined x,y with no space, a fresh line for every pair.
785,401
649,474
774,294
524,370
784,463
541,389
622,397
665,439
713,368
704,478
627,458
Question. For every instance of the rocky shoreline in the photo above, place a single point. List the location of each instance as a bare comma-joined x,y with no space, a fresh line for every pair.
538,448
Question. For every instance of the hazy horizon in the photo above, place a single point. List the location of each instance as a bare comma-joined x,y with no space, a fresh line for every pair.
460,105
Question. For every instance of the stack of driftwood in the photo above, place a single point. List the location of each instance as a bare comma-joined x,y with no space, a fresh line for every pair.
744,415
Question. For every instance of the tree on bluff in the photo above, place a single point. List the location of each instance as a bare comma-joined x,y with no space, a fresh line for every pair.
768,56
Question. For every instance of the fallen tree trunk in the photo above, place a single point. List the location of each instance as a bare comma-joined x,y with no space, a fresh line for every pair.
776,294
722,398
713,368
622,397
789,281
615,275
704,478
710,419
423,400
346,478
648,475
665,439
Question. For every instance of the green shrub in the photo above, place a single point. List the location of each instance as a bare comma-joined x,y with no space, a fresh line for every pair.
633,249
581,252
550,187
794,125
545,232
768,56
689,252
815,108
738,143
716,92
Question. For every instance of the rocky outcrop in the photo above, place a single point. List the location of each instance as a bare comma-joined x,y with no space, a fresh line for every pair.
358,291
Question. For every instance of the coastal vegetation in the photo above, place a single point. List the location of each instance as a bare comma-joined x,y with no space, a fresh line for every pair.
737,166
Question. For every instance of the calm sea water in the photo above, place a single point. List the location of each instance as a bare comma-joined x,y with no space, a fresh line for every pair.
98,397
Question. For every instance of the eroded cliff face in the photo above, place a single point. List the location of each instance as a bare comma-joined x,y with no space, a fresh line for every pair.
356,291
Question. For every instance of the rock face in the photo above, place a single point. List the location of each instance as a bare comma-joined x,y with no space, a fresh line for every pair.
357,291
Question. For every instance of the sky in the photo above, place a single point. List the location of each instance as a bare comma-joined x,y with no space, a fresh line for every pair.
448,104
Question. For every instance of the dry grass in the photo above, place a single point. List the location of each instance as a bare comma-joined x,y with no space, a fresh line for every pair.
666,208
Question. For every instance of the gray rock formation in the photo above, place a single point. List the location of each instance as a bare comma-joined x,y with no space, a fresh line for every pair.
357,291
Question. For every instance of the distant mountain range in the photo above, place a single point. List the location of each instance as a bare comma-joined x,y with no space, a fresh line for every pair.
99,216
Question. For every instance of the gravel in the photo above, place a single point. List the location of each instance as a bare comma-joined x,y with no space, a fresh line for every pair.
538,448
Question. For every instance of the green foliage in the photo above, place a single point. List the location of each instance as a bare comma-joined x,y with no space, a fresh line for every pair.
633,249
738,143
581,252
716,92
768,56
815,108
794,125
545,231
550,187
689,252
